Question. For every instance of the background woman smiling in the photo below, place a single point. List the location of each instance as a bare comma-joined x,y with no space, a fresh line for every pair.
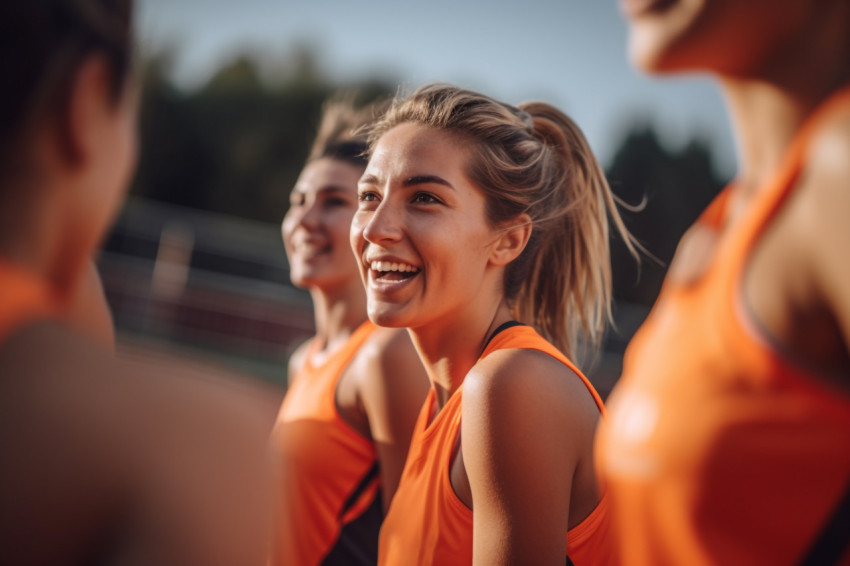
343,430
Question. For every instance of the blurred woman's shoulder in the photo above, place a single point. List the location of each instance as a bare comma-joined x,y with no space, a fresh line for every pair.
93,442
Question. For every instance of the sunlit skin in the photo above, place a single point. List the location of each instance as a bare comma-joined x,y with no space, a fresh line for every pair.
433,263
776,62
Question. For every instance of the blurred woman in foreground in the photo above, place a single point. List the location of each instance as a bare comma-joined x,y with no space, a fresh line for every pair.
729,431
101,462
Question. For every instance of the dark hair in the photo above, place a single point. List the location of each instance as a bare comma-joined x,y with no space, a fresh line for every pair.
353,151
42,43
534,160
342,133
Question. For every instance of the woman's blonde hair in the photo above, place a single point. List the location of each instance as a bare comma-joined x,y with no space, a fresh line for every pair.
534,159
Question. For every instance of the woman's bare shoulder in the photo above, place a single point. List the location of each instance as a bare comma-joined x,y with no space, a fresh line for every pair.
830,144
391,379
524,380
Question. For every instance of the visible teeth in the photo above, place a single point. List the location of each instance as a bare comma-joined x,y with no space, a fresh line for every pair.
392,266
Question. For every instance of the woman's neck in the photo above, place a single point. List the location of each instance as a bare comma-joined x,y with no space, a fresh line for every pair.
338,313
449,349
36,237
769,106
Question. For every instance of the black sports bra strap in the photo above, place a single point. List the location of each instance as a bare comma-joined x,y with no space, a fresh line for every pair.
502,327
833,539
361,487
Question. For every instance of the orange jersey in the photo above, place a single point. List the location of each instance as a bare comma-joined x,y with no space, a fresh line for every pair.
427,523
23,298
330,503
720,449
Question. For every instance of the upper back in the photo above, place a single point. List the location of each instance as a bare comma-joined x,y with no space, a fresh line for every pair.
104,459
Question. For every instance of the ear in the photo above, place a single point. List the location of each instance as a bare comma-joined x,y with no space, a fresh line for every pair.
512,241
87,107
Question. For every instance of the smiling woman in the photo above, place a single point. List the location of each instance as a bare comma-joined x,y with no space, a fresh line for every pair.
481,227
425,221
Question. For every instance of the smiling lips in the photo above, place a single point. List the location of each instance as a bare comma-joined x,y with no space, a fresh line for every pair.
392,270
393,266
310,249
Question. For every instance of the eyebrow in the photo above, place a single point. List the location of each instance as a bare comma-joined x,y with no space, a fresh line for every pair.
424,180
324,190
412,181
334,189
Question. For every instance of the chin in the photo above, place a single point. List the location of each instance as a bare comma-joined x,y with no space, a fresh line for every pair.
299,279
308,281
644,54
650,57
386,317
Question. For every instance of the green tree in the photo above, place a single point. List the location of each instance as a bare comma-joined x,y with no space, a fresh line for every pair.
675,186
236,144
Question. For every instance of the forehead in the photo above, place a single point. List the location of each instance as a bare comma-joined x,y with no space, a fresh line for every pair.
416,146
328,174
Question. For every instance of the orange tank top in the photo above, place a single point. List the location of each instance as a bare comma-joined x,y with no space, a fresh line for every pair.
329,507
427,524
24,298
720,449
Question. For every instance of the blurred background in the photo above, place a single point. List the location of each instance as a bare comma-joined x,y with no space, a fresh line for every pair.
195,269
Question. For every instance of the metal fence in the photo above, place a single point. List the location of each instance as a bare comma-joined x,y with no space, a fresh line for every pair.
212,284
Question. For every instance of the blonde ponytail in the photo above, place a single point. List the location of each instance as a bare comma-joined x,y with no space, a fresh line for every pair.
565,290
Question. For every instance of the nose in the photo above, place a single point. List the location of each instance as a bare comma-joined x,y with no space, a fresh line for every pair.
305,214
299,215
309,215
382,225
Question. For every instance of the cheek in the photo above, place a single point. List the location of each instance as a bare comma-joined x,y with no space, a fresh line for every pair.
132,151
286,228
355,233
130,135
463,253
120,151
339,222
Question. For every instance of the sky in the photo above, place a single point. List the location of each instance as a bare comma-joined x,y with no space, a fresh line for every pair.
570,53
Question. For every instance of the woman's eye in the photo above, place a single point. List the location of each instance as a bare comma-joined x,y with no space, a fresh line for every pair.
425,198
334,202
367,196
